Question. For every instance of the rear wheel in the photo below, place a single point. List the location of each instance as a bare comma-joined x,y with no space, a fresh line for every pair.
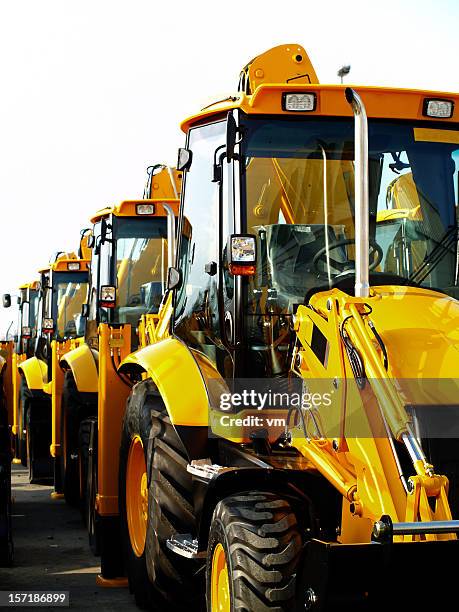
92,520
253,554
24,398
69,442
157,576
84,435
133,490
76,408
38,440
6,539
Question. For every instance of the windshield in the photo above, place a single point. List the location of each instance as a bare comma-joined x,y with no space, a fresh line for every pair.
71,294
29,311
299,202
141,267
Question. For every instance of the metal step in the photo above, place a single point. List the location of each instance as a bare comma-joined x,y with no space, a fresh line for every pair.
184,545
203,468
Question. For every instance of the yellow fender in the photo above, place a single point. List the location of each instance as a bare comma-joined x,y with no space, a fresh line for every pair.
84,368
167,362
35,372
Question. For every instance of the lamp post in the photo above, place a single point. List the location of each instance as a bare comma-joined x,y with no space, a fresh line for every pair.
344,71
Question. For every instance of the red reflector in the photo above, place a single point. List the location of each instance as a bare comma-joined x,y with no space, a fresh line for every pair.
107,304
48,331
236,270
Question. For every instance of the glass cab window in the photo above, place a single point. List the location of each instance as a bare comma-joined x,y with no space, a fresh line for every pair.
196,301
141,267
70,298
298,200
132,257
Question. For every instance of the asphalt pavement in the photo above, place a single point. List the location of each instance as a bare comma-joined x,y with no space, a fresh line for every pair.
51,551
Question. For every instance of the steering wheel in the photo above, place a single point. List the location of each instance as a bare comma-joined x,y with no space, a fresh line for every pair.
375,256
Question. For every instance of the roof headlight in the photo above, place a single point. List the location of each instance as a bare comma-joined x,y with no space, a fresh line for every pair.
145,209
73,266
440,109
299,102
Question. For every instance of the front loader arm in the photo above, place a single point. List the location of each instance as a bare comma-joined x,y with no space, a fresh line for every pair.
353,442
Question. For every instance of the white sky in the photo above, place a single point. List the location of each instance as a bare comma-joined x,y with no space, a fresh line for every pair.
92,91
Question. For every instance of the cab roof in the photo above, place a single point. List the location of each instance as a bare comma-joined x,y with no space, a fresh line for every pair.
65,262
33,285
128,208
288,69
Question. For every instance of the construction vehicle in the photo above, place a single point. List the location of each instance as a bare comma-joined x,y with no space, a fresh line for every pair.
131,246
293,433
6,538
61,292
15,353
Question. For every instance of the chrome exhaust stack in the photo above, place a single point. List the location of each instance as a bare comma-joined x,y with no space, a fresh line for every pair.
170,235
362,212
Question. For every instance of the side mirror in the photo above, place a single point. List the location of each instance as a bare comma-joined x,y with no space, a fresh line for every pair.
174,279
6,300
185,157
231,133
85,310
105,229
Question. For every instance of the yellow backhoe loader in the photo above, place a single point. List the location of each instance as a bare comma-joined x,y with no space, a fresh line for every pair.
15,353
292,437
6,455
131,246
62,291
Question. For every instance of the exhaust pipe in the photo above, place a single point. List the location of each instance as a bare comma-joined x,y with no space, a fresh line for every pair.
362,213
170,235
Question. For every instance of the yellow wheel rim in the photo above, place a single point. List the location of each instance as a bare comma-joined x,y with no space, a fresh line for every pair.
220,581
137,496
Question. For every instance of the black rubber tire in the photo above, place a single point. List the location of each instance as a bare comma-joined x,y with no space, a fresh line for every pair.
262,543
74,409
57,475
6,538
172,583
24,400
84,435
92,518
38,440
137,421
171,511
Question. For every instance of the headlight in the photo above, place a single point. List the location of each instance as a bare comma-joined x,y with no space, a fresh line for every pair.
73,266
441,109
145,209
299,102
242,254
48,326
26,333
107,296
